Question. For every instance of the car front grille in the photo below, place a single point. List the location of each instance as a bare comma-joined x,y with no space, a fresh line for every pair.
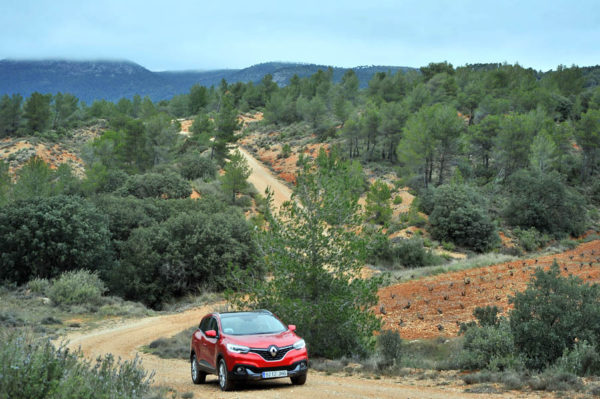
265,354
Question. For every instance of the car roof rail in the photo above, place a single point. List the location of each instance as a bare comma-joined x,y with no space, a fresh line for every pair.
263,311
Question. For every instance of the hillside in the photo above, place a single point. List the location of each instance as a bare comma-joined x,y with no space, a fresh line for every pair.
112,80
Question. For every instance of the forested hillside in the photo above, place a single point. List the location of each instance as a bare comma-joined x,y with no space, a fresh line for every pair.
112,80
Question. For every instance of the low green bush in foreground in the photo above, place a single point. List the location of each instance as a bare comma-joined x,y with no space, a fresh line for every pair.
37,369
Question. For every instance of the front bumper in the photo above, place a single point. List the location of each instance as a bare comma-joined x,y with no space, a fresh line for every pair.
243,372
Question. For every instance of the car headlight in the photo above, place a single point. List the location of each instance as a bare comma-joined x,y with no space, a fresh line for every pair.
237,348
299,344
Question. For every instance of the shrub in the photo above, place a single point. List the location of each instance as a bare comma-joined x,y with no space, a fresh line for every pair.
458,216
397,200
448,246
485,344
544,202
413,218
156,185
39,286
11,319
594,193
212,188
176,347
77,287
43,237
487,316
554,379
39,369
172,258
552,314
100,179
389,346
426,200
583,359
530,239
568,244
378,203
126,214
195,166
408,253
512,380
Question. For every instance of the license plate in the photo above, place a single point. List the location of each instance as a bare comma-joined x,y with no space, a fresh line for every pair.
274,374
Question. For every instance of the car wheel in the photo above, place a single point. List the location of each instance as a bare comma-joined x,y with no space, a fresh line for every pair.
198,376
299,380
224,382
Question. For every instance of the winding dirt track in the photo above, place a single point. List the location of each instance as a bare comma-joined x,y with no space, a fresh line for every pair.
262,178
124,340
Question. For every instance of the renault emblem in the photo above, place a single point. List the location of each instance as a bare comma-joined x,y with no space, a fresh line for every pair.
273,350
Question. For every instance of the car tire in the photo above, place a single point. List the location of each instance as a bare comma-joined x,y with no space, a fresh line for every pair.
198,376
224,382
299,380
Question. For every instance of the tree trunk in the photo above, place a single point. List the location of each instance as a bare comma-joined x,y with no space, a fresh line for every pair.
441,170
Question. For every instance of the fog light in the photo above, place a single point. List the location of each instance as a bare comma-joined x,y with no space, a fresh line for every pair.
240,369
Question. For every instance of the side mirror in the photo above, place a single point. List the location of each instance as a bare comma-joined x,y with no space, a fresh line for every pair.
211,334
292,327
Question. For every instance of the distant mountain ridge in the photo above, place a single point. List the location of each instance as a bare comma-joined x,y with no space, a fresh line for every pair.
112,80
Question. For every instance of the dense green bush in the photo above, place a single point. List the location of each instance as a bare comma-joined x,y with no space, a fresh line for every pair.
38,369
156,185
458,216
487,315
407,253
77,287
544,202
128,213
43,237
177,256
582,359
488,346
195,166
530,239
594,193
100,179
552,314
425,200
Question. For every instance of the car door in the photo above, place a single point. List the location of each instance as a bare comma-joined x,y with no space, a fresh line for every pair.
201,344
210,346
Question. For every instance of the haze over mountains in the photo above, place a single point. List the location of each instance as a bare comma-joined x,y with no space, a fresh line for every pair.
112,80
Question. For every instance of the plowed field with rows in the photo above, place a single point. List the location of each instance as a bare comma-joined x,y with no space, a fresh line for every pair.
435,306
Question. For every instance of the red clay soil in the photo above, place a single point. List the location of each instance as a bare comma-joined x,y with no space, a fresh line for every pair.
195,194
435,306
53,155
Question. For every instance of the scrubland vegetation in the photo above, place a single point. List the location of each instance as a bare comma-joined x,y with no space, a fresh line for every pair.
486,149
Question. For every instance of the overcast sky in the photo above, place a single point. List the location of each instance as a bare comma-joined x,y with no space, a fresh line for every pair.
187,34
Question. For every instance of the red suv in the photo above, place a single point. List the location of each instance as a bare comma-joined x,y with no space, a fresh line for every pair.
242,346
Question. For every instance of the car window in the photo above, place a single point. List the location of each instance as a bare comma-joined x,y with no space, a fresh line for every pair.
213,325
251,323
204,324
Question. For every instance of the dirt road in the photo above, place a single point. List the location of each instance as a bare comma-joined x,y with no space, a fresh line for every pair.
125,339
262,178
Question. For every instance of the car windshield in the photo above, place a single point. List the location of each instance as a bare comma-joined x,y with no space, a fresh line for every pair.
250,324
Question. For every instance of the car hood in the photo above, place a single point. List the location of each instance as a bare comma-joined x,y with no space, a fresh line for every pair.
285,338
